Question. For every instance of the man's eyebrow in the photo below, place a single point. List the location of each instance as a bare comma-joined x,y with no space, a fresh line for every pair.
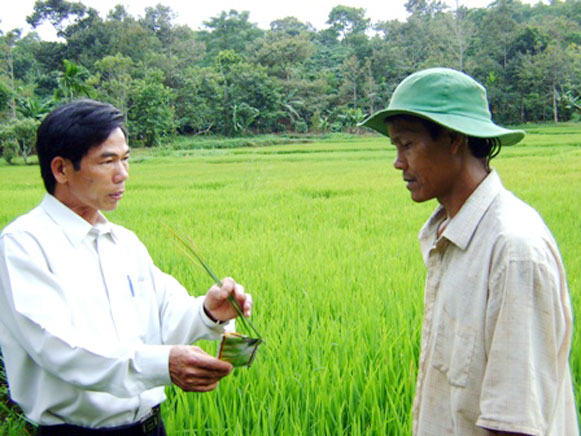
106,154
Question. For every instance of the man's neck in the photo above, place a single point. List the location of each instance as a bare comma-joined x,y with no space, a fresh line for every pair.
89,214
470,178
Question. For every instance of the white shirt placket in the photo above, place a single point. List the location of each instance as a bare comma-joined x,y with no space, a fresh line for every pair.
120,289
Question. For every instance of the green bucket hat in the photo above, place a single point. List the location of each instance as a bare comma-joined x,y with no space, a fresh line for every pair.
447,97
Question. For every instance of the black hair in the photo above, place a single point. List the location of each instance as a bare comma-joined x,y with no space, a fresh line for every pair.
482,148
70,131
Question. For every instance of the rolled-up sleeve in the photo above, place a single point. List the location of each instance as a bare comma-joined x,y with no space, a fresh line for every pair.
527,346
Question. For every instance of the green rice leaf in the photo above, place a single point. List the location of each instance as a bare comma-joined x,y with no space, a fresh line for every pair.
189,248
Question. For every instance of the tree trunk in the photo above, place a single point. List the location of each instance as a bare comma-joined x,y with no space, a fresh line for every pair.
11,72
555,110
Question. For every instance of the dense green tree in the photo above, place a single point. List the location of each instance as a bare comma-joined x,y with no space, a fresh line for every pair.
21,56
424,8
229,31
420,42
90,31
151,116
198,100
48,60
352,73
292,26
160,21
19,136
281,53
233,78
7,43
250,97
560,68
5,96
128,37
457,31
347,21
113,80
59,13
497,32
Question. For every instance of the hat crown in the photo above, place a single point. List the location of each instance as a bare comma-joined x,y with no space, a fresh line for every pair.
446,97
441,91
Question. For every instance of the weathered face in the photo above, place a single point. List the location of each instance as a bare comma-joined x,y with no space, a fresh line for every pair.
99,183
429,166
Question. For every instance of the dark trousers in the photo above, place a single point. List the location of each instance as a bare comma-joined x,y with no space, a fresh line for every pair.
149,426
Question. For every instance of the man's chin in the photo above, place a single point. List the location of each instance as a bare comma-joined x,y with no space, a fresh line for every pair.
110,206
417,198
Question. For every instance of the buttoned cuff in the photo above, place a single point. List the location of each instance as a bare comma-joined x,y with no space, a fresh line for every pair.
216,326
152,361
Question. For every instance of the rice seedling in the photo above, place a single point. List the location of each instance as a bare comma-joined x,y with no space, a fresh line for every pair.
235,348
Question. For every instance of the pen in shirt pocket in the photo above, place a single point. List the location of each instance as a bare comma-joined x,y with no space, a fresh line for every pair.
131,286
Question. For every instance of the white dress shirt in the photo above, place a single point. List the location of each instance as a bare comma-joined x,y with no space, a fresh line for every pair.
88,320
497,324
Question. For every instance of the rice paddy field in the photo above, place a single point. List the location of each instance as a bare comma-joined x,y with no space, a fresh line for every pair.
324,236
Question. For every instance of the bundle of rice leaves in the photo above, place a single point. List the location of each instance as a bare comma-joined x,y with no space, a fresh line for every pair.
238,349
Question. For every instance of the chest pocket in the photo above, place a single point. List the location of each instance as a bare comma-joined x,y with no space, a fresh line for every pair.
146,311
454,347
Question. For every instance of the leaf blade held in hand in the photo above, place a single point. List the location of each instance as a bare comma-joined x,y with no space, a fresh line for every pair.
235,348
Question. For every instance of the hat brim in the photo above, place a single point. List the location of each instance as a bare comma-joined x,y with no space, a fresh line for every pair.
476,127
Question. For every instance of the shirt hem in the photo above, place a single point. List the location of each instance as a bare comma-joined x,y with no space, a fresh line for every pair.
496,425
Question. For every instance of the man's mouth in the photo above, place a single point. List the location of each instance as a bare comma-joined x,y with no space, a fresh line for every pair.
117,195
409,181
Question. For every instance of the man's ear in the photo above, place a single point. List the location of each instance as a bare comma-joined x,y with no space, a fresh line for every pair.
457,141
61,169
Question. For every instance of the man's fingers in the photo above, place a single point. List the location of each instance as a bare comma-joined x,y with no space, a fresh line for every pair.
201,361
192,369
199,387
228,284
216,300
245,301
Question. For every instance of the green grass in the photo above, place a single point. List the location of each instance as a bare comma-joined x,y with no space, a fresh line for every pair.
324,236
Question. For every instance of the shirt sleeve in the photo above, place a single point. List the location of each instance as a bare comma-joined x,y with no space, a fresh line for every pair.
528,343
37,318
183,319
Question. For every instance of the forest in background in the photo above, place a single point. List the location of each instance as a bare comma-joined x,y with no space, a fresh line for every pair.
232,78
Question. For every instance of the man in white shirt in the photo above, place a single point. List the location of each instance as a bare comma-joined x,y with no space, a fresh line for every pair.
91,330
497,323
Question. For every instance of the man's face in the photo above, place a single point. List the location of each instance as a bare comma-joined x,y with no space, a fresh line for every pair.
429,167
99,183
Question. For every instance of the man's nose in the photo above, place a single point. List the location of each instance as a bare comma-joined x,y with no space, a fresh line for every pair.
399,163
122,173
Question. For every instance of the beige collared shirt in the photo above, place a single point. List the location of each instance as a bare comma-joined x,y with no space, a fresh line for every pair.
497,325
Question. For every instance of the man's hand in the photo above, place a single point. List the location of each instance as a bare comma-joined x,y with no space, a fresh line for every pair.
216,303
194,370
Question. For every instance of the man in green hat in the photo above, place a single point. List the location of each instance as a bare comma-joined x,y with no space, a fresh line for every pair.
497,325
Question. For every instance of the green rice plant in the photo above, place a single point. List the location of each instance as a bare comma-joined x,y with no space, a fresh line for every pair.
12,419
235,348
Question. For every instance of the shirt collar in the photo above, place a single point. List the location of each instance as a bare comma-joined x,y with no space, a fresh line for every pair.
74,226
462,227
